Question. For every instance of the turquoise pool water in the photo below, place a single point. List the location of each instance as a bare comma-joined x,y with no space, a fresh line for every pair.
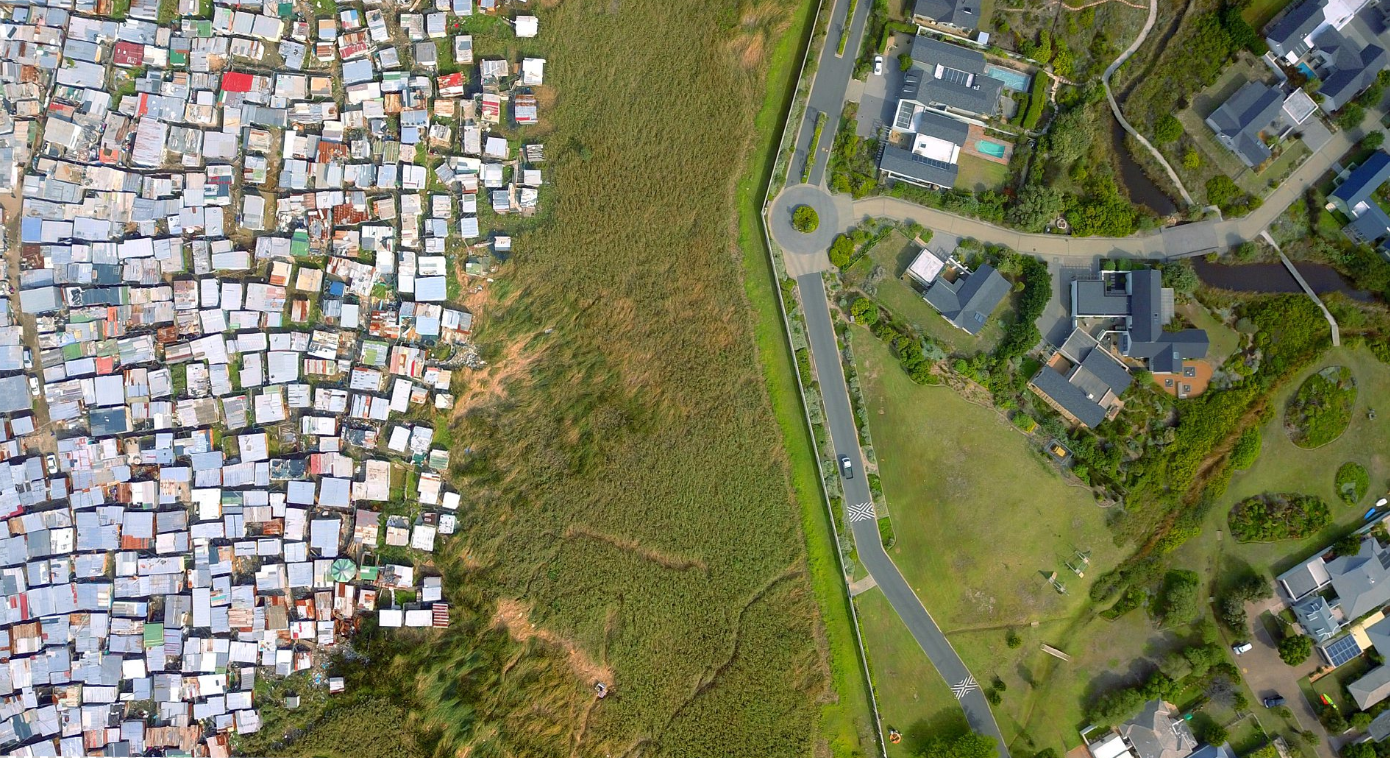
990,148
1308,72
1014,80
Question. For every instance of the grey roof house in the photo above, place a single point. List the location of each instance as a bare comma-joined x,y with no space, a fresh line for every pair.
936,141
968,299
1083,381
1137,306
961,14
1340,41
950,76
1255,111
1355,198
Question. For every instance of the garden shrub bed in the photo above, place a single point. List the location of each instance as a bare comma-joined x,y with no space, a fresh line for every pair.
1352,482
1321,409
1279,516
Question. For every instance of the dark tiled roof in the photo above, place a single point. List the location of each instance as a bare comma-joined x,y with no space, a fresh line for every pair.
1239,120
964,14
904,164
1287,35
967,302
963,84
1069,397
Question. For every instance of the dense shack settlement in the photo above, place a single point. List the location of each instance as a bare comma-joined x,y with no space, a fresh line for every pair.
240,235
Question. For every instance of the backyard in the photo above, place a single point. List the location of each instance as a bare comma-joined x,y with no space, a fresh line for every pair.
977,174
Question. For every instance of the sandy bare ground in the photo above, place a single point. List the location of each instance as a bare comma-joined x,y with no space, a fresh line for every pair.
515,617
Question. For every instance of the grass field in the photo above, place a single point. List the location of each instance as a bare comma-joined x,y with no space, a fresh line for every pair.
977,174
1261,12
1285,467
912,697
980,521
628,498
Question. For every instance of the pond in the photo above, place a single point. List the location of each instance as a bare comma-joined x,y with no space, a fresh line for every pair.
1141,189
1273,277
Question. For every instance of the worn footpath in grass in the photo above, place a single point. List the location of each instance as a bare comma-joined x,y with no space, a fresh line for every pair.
846,720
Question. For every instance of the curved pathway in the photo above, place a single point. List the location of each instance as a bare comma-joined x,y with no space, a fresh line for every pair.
1105,80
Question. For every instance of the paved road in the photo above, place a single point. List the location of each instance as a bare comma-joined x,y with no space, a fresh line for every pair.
864,526
1115,107
833,73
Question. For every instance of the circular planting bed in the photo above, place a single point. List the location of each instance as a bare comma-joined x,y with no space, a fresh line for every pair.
805,219
1321,409
1352,482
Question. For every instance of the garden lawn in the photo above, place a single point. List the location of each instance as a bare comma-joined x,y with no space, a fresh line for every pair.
977,174
1261,12
910,692
1224,339
1285,467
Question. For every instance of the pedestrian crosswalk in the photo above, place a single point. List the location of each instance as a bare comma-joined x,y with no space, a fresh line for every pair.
862,512
963,687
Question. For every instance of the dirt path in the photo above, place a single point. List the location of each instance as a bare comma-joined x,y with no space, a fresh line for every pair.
515,617
1068,7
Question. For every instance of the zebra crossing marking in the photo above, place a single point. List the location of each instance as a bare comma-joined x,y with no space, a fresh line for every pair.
862,512
964,686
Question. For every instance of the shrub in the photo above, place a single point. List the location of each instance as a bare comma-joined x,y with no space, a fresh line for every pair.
1180,595
1269,517
1013,640
1352,482
864,311
1213,734
805,219
1321,409
1373,141
1246,449
1168,128
1191,160
1295,649
841,251
1350,116
1037,99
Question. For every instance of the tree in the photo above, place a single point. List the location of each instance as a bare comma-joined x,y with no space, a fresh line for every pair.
1359,750
1348,545
1012,639
1221,191
864,311
905,62
1035,208
1350,116
1213,734
1248,251
966,745
1179,601
1360,720
1373,141
805,219
1295,649
1181,277
1168,128
841,251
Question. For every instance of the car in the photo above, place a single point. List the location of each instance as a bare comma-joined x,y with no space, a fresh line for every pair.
1274,702
34,386
878,65
28,359
52,461
846,468
1242,648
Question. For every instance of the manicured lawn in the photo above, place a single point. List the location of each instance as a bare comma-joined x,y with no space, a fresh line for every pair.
910,692
981,520
977,174
1285,467
1224,339
1260,12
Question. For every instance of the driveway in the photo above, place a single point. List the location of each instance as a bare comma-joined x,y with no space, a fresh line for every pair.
1268,675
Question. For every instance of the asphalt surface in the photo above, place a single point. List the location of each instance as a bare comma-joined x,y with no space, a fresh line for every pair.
833,73
864,526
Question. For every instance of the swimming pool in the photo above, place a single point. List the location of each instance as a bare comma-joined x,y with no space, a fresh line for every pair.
990,148
1308,72
1014,80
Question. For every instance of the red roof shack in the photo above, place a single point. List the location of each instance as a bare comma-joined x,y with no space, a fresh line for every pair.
233,81
128,54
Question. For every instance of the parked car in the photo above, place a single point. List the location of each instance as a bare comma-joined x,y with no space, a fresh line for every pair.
1274,702
28,359
1241,648
52,461
846,468
34,386
878,65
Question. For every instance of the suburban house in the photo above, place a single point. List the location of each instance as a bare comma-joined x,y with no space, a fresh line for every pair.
1082,381
1159,731
1258,112
1132,308
1328,593
1337,41
961,14
1355,199
949,77
933,148
964,297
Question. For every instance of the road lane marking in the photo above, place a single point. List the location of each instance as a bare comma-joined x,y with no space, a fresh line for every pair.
963,687
862,512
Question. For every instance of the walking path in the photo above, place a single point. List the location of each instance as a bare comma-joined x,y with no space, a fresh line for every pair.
1114,106
1288,264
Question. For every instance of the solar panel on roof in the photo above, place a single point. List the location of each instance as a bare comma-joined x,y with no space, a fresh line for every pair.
1342,650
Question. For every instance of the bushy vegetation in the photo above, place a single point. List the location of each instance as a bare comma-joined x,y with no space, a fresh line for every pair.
805,219
1246,449
1191,60
1230,608
1037,101
1022,334
906,347
1269,517
1352,482
1232,200
1168,128
853,161
1295,649
1321,409
1195,666
1181,592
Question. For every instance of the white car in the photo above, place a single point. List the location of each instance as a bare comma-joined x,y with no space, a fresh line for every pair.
34,386
52,461
878,65
28,359
1242,648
